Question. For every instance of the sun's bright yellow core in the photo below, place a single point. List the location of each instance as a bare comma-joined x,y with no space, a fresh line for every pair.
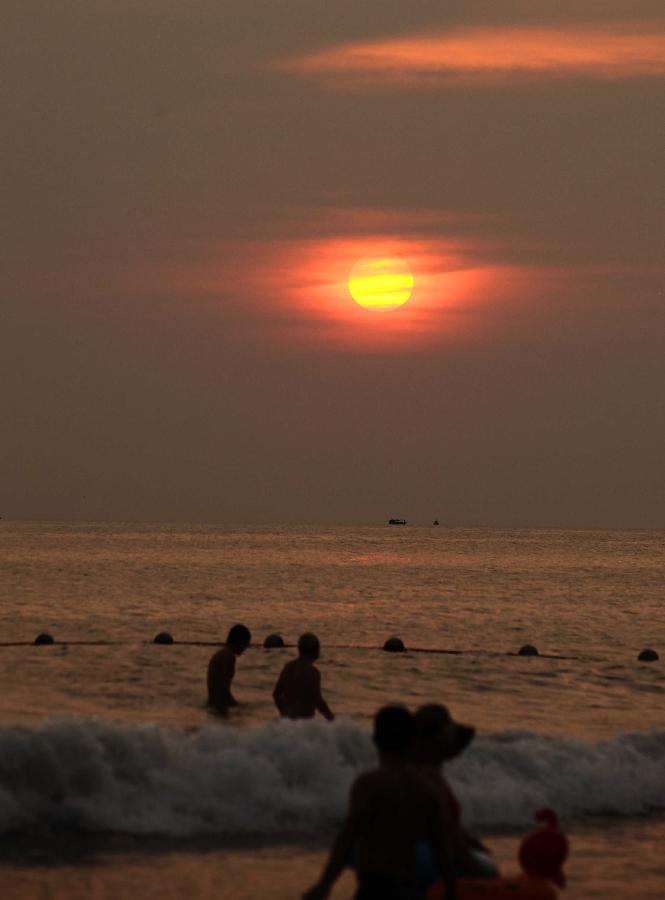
381,283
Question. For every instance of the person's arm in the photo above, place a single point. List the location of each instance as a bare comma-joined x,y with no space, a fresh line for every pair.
220,675
461,846
321,704
474,843
338,859
278,693
458,840
439,830
343,846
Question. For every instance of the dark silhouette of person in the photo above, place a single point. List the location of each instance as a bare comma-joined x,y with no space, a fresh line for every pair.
439,738
222,668
297,694
391,811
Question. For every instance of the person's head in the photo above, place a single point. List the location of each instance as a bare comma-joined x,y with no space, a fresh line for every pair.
309,646
393,731
437,736
238,639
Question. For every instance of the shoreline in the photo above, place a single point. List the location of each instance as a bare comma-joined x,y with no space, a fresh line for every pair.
604,863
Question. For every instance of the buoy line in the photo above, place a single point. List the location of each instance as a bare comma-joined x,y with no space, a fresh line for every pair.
393,645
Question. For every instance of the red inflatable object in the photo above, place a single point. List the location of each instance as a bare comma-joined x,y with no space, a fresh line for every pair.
542,854
544,851
522,887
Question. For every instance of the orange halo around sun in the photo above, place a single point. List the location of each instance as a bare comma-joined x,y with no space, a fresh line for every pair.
381,283
450,289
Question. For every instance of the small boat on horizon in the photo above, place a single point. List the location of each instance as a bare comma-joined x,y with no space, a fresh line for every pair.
397,521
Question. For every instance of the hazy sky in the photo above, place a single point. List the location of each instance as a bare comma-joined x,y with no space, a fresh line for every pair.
186,186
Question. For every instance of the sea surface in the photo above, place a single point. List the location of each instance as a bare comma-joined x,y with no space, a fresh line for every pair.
115,781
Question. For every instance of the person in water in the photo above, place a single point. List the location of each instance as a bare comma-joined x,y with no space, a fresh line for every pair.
438,739
222,668
391,811
297,694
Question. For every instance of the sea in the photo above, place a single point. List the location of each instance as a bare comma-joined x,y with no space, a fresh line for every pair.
117,782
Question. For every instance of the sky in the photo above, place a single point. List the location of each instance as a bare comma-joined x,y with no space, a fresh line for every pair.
186,187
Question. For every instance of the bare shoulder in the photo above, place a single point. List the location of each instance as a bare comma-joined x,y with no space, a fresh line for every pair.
288,668
367,782
368,790
223,659
311,676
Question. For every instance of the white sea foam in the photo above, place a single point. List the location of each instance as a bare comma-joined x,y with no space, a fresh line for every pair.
292,779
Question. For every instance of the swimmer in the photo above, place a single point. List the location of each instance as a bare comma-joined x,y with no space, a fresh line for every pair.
222,668
391,811
297,694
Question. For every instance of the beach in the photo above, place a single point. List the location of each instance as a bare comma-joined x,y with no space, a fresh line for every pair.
116,780
171,872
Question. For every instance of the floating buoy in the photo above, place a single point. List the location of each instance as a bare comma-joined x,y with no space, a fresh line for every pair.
648,655
44,638
528,650
394,645
163,638
273,641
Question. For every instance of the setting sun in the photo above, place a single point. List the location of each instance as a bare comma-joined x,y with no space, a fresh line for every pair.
380,283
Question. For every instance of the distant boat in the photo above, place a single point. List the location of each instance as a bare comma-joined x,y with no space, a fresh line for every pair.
397,521
435,522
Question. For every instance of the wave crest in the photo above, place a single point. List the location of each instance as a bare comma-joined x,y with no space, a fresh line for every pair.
292,778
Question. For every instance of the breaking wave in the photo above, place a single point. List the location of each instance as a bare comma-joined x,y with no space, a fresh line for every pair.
292,779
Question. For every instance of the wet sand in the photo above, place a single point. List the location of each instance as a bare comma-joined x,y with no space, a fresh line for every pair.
94,868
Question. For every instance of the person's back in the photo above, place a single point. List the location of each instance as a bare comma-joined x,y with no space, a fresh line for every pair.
222,667
391,812
297,693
